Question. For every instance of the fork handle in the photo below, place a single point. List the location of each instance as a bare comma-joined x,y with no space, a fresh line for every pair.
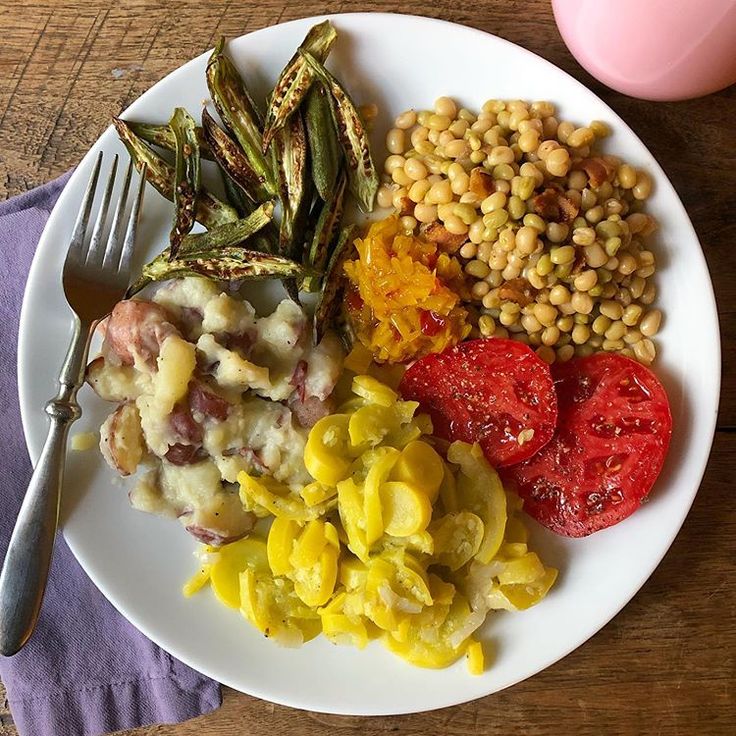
26,566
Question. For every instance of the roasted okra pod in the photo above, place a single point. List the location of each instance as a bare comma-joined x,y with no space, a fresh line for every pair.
238,112
296,78
187,176
210,210
363,177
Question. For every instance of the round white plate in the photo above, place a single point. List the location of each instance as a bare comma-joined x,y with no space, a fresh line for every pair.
140,562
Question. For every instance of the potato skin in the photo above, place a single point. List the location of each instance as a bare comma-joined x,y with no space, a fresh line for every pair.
112,382
136,330
121,439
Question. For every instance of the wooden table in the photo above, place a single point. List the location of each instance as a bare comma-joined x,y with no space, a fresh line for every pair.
664,665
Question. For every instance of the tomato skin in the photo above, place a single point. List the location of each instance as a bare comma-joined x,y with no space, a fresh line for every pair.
613,432
487,391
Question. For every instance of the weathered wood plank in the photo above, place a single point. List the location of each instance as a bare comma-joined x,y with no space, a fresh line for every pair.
665,665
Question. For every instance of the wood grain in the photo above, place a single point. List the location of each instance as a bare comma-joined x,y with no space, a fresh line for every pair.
665,665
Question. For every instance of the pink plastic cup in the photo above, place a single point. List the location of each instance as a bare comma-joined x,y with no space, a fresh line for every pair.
653,49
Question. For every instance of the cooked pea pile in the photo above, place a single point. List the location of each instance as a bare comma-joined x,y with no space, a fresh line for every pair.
551,232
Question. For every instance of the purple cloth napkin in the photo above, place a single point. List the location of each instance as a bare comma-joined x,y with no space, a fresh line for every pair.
86,670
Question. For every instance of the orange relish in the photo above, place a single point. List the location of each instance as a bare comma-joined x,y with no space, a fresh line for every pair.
404,294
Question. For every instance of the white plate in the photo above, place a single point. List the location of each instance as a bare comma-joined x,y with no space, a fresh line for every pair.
139,561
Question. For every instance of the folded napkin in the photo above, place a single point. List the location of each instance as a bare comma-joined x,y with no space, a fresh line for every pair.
86,670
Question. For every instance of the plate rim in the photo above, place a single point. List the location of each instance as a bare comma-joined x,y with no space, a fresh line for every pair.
24,342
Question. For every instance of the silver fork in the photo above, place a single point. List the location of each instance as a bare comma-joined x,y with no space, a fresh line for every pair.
96,276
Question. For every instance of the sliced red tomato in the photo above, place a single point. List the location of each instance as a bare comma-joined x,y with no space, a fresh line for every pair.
613,431
496,392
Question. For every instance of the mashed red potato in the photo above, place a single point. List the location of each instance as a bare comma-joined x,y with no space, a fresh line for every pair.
207,389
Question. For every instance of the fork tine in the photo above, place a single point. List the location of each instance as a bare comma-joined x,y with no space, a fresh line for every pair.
76,244
128,245
112,250
94,249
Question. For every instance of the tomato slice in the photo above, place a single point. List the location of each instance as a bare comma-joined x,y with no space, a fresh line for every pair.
494,391
613,431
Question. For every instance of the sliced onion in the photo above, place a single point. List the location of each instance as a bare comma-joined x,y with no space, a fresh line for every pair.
473,622
396,602
480,582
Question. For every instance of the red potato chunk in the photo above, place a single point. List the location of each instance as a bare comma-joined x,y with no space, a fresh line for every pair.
181,454
207,402
188,430
183,426
121,439
224,532
113,382
307,409
135,331
310,410
221,519
216,517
